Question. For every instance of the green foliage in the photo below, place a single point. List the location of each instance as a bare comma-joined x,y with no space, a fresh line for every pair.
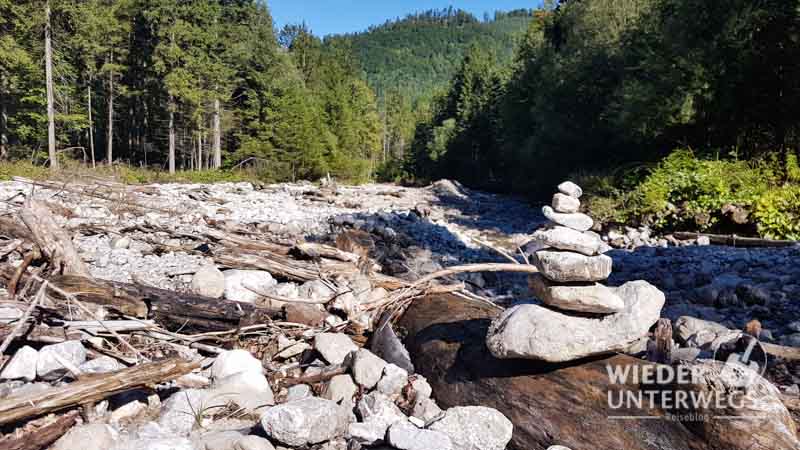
683,188
605,83
777,213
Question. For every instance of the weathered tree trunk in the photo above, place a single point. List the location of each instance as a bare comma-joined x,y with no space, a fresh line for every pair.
171,135
217,144
51,239
3,119
92,389
51,114
110,144
39,433
91,125
549,404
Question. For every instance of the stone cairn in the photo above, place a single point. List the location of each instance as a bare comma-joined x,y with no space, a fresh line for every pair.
579,317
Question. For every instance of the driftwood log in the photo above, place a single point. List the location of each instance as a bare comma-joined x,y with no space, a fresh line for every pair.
39,434
168,308
734,240
549,404
52,239
92,389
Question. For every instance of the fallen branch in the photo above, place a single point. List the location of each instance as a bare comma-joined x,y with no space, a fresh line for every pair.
40,433
92,389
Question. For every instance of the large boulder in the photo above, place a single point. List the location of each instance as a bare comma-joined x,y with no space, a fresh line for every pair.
582,297
50,364
568,267
745,411
563,238
306,421
548,404
535,332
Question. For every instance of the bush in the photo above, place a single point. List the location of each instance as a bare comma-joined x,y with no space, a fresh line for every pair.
777,213
687,192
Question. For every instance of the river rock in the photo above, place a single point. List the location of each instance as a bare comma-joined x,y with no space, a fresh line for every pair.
186,410
22,365
393,381
209,282
249,390
571,189
404,436
48,366
367,368
549,404
475,428
583,297
235,361
102,364
567,267
563,238
565,204
334,347
378,412
341,389
239,284
534,332
306,421
756,418
253,442
694,332
94,436
576,221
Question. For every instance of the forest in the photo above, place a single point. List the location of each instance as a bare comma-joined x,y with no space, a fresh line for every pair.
180,85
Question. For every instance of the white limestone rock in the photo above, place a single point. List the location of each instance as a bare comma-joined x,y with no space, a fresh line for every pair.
581,297
240,284
563,238
576,221
22,365
475,428
367,368
567,267
565,204
209,282
404,436
306,421
49,364
235,361
334,347
571,189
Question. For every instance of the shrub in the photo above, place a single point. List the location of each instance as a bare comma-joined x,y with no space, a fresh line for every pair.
777,213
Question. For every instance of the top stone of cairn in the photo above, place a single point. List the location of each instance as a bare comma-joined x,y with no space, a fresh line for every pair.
571,189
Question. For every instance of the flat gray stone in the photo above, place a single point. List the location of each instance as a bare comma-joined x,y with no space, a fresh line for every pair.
563,238
566,204
571,189
209,282
405,436
367,368
567,267
22,365
534,332
306,421
475,428
576,221
334,347
48,366
583,297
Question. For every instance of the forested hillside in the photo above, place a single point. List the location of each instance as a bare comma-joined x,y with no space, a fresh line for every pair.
180,85
418,54
602,83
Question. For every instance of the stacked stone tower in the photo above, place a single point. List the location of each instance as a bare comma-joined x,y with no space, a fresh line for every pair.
579,316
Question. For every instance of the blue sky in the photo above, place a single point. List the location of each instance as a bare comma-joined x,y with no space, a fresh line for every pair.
343,16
